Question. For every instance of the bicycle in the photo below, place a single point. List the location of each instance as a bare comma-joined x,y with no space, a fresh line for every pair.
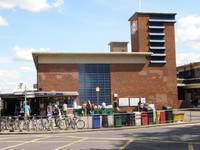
17,123
26,124
5,123
75,122
59,122
34,122
42,124
49,123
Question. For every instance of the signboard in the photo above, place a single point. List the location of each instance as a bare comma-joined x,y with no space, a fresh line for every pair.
134,101
123,101
143,99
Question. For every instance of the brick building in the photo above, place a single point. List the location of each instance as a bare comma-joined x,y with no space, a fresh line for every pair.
188,78
148,72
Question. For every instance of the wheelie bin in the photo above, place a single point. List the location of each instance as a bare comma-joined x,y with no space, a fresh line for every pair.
117,120
168,113
104,120
95,121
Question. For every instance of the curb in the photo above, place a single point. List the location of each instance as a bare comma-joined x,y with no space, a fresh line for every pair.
99,129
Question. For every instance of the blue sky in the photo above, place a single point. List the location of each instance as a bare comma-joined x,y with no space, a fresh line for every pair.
81,26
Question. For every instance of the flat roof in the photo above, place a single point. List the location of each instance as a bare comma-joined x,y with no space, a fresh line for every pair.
90,58
151,13
188,66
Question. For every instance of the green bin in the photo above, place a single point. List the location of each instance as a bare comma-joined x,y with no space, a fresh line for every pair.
117,120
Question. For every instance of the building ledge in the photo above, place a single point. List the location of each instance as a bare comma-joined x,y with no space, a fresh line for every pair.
90,58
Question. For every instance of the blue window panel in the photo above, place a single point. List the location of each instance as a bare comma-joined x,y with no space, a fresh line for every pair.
92,76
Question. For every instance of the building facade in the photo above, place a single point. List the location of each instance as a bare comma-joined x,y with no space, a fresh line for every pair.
148,72
188,78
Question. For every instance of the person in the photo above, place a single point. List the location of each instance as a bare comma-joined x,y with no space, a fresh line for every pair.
103,107
84,109
27,110
115,106
49,110
57,114
92,108
88,106
74,107
195,102
142,106
16,113
139,105
64,109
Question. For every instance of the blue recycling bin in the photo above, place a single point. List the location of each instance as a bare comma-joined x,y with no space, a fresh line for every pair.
95,121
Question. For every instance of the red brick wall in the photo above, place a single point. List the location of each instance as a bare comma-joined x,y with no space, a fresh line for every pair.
156,84
58,77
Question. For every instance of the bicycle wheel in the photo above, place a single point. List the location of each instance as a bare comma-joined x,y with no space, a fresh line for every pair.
80,124
34,125
49,125
60,124
26,126
3,126
73,124
67,123
17,125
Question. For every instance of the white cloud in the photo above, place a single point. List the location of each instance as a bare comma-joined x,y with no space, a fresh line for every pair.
3,22
188,31
25,54
8,80
4,74
31,5
11,78
188,34
27,69
186,58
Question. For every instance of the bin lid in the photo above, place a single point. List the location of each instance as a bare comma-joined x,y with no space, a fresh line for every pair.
167,107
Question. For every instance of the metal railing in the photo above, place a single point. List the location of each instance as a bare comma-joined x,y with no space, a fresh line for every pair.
129,119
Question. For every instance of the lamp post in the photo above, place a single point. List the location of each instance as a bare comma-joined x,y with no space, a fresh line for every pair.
25,103
97,90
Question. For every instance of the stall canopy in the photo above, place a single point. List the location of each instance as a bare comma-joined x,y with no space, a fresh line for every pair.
56,93
40,94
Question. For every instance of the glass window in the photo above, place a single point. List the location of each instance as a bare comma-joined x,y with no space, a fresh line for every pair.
92,76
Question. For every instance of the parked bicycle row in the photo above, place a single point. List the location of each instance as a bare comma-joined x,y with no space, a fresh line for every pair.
120,119
40,123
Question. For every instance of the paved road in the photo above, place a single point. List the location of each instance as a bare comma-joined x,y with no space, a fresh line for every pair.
179,137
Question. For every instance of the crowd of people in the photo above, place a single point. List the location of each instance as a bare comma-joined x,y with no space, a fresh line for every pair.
53,109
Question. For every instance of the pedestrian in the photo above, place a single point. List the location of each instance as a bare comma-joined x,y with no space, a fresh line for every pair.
103,107
49,110
84,108
64,109
92,108
74,107
57,114
27,110
139,105
115,106
88,105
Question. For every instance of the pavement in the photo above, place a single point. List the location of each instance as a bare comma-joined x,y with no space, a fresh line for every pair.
101,128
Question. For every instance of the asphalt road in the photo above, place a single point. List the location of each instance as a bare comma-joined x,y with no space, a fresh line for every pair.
179,137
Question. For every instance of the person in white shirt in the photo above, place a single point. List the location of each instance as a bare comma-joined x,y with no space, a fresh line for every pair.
64,109
103,107
74,107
